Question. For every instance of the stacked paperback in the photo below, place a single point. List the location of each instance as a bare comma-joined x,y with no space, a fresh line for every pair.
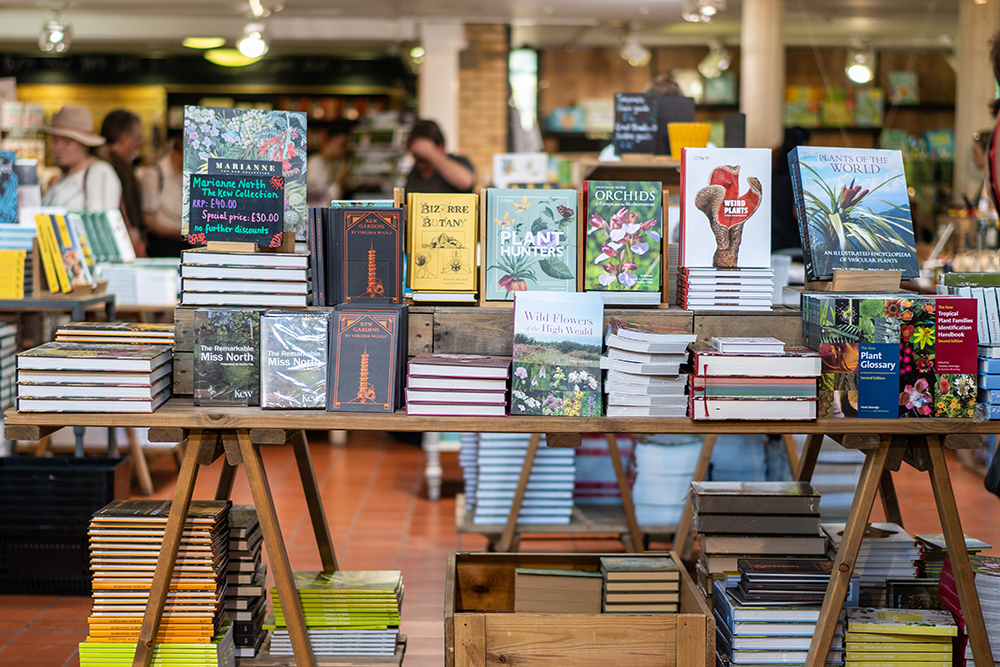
211,278
643,364
557,591
725,231
246,599
12,273
640,585
887,552
219,652
8,352
94,377
126,537
548,498
933,551
457,384
989,382
752,378
986,573
915,637
770,616
346,613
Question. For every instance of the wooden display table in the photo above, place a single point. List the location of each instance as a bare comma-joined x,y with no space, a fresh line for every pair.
239,431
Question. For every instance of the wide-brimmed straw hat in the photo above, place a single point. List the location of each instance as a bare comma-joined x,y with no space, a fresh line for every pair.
75,123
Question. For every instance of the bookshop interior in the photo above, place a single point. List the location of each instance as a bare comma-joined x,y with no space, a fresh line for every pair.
679,345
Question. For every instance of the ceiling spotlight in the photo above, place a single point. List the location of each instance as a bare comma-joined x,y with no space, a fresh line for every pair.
860,65
635,53
252,44
203,42
716,62
702,11
228,58
55,36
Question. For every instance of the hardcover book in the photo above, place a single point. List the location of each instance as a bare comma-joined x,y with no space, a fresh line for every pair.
725,208
402,334
557,350
442,233
255,144
95,357
8,188
366,253
853,210
901,621
226,356
293,348
363,371
623,233
755,498
531,238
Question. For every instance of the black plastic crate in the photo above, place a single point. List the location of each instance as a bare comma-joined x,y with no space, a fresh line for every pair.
44,562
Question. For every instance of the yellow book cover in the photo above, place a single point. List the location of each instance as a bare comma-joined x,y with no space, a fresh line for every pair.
898,663
55,270
443,230
892,639
896,656
901,621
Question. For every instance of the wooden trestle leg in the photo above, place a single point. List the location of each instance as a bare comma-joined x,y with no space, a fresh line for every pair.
522,485
807,462
310,487
627,505
700,472
224,490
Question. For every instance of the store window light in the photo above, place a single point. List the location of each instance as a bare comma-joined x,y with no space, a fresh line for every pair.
702,11
523,67
55,36
860,65
252,44
716,62
635,53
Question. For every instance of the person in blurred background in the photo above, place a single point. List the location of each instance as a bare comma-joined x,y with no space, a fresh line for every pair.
436,170
86,183
161,200
328,171
784,224
122,130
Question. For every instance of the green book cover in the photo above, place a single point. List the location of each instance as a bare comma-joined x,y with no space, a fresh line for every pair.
531,238
639,564
226,356
624,227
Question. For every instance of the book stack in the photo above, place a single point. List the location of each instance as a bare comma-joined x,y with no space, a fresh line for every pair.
771,614
244,279
664,466
94,377
346,613
246,601
548,498
989,381
916,637
933,550
8,353
468,459
752,378
219,651
17,237
640,585
125,541
737,520
148,281
12,269
442,233
725,230
557,591
983,288
643,364
986,573
457,384
118,333
887,552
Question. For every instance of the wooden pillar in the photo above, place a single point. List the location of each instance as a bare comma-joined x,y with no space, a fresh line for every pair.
438,84
975,86
762,71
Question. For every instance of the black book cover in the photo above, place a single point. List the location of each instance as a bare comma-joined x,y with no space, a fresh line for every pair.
785,567
766,524
363,372
293,348
367,256
784,586
226,356
777,598
403,337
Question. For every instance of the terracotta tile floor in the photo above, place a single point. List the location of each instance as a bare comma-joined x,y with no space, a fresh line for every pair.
380,519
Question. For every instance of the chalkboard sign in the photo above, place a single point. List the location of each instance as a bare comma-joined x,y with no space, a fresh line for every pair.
635,123
671,109
237,208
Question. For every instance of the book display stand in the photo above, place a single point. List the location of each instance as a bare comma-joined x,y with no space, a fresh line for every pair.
40,289
858,281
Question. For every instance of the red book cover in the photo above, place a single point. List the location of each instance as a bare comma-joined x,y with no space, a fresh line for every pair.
955,347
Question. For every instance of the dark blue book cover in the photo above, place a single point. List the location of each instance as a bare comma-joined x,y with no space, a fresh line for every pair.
363,372
878,380
367,256
8,188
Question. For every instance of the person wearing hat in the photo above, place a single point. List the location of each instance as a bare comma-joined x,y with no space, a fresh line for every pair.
86,183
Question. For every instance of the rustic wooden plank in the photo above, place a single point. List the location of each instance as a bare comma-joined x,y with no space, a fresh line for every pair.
896,452
863,441
810,453
917,457
542,640
690,640
887,493
224,489
470,640
183,373
449,611
791,452
785,324
28,431
184,329
421,333
165,434
210,453
232,447
962,441
269,436
693,602
485,582
951,526
563,440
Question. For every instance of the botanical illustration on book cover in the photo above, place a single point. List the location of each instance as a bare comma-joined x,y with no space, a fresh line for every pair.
226,364
854,210
530,242
8,188
253,135
624,228
443,242
557,350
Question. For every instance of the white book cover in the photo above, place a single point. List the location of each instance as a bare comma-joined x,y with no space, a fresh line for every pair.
726,208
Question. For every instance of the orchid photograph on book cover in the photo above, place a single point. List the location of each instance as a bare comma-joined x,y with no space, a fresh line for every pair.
624,228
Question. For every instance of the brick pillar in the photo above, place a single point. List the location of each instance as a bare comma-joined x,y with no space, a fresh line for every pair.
482,97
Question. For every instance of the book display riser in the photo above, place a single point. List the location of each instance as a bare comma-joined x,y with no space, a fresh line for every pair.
481,627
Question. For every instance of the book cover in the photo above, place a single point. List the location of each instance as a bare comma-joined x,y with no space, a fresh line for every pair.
853,210
71,252
901,621
228,142
56,275
531,238
955,359
649,565
94,356
802,106
556,356
442,233
868,107
903,88
293,349
878,380
725,208
793,498
8,188
367,254
363,369
226,356
623,233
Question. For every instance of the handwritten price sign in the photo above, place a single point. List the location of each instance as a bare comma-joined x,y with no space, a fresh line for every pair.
237,208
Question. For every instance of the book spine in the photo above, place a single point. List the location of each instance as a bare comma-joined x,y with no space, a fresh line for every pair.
992,313
982,325
800,213
51,260
681,255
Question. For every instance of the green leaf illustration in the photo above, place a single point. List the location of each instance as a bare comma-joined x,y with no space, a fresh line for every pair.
555,268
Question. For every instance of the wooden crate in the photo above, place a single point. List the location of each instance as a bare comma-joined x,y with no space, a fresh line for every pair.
481,628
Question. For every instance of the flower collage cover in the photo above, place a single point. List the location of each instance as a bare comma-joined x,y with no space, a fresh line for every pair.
836,325
557,351
624,228
248,134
